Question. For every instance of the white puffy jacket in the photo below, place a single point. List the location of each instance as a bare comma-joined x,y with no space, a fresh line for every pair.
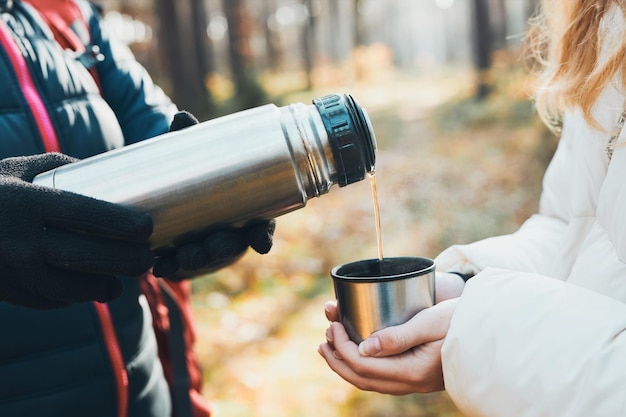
540,330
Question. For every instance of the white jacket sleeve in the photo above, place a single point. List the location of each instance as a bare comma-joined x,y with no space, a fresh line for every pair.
528,249
526,345
533,246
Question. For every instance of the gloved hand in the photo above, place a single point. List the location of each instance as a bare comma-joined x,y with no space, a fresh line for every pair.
219,248
59,248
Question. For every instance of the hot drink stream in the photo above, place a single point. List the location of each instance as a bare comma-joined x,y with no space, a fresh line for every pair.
372,177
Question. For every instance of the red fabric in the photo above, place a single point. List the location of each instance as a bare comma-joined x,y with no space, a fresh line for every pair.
24,77
113,347
60,15
181,292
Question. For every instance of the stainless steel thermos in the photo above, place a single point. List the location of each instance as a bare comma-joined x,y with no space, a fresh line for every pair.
233,170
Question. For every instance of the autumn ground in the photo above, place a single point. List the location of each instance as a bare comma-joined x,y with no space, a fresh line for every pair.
449,170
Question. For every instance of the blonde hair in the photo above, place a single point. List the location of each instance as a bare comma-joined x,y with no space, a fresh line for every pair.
567,39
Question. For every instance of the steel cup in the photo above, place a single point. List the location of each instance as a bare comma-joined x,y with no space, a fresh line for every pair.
373,294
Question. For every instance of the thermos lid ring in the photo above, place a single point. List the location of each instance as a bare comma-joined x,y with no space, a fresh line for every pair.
350,136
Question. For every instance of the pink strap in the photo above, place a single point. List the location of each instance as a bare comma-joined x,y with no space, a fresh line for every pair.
27,85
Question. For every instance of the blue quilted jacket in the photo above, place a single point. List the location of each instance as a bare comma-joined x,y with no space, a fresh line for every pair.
67,362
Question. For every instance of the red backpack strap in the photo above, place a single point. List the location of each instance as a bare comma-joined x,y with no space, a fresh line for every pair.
174,327
70,29
61,16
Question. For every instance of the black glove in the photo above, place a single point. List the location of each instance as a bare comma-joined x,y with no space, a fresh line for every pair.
219,248
57,247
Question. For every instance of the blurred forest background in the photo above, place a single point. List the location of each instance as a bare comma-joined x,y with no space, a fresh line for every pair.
461,154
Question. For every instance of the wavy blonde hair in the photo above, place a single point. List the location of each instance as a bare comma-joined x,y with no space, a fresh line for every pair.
567,40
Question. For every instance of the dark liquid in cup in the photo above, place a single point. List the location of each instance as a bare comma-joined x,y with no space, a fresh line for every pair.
371,270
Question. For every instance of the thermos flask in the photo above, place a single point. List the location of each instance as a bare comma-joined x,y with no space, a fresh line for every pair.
230,171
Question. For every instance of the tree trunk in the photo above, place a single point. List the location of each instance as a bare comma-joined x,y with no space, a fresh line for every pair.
249,92
238,47
497,15
203,59
167,33
308,43
359,26
272,46
334,30
481,38
179,51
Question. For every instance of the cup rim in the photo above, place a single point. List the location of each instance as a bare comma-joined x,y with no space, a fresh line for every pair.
334,273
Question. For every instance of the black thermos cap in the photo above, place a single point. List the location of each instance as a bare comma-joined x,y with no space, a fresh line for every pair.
350,135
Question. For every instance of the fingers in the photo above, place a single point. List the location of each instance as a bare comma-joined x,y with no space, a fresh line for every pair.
183,119
396,360
71,211
59,288
70,287
428,325
424,327
19,296
191,257
88,254
331,311
165,266
28,167
448,286
260,236
224,244
341,368
348,351
416,370
218,249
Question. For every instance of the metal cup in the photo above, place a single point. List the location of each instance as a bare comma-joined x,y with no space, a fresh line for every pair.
372,294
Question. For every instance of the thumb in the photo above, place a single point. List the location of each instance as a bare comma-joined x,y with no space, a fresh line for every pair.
428,325
181,120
